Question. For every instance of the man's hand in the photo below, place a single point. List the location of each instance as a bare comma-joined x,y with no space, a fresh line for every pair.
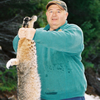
21,33
26,33
30,32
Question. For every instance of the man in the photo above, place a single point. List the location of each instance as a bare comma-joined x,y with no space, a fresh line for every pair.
59,46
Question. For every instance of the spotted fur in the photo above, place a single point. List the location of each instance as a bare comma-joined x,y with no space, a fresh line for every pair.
29,85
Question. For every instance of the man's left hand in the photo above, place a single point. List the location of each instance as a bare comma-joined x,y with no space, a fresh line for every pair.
30,32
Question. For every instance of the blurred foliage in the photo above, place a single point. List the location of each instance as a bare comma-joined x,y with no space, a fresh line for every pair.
8,79
84,13
12,8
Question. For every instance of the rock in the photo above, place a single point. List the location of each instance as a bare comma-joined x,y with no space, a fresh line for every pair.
3,59
92,80
3,98
8,30
12,98
91,90
8,95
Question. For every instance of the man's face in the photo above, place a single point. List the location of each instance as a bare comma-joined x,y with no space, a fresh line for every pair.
56,16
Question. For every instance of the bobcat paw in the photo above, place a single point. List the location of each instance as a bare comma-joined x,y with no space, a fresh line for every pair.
12,62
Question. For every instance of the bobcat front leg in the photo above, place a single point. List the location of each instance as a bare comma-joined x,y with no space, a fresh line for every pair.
11,62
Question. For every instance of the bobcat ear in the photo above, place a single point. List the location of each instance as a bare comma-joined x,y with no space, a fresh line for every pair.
34,17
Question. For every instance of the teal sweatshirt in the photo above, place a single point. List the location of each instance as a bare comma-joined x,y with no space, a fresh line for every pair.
59,61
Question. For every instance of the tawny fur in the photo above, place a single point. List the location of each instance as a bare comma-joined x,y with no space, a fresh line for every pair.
29,85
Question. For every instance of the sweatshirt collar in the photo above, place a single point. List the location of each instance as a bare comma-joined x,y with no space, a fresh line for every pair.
48,27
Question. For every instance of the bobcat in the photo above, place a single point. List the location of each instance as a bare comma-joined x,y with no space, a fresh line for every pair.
28,84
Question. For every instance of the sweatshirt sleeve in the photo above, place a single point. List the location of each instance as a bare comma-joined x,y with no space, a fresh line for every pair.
70,39
15,43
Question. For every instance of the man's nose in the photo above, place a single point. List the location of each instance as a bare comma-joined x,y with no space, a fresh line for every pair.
54,14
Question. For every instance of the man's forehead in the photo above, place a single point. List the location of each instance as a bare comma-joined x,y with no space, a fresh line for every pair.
55,7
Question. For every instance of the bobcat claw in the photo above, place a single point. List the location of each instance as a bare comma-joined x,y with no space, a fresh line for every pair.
12,62
8,64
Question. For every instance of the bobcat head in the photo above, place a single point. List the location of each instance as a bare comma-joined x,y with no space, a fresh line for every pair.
28,22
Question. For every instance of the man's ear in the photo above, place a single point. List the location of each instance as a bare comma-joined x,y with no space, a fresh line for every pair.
66,15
